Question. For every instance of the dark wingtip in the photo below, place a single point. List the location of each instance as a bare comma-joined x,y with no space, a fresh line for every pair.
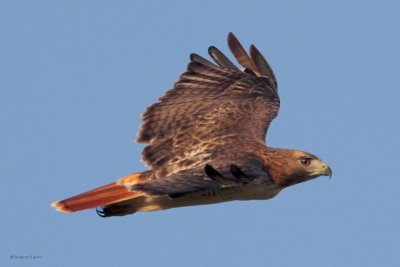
220,58
239,174
263,66
232,38
211,48
211,172
193,56
201,60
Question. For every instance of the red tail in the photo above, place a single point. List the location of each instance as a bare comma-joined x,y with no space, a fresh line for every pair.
101,196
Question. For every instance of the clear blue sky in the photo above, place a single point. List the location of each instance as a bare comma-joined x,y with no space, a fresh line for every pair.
75,77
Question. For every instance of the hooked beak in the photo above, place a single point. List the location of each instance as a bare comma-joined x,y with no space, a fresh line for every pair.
323,169
328,172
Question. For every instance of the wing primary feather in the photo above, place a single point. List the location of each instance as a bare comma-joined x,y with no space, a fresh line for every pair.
240,54
201,60
220,58
262,64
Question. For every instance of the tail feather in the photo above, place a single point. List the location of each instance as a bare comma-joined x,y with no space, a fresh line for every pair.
105,195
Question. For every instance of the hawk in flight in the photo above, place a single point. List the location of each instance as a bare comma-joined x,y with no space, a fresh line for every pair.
206,142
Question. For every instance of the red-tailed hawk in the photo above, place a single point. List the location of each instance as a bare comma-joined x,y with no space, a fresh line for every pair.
206,142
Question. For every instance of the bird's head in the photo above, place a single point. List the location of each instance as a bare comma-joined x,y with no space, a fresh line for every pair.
288,167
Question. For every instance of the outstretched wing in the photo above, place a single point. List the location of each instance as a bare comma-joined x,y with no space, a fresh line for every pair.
211,105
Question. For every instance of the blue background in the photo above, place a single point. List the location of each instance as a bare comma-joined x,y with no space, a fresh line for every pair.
76,75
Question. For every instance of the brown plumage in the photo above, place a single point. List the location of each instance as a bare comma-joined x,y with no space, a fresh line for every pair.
206,142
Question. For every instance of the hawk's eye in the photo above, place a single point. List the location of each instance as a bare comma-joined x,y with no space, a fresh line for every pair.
305,161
